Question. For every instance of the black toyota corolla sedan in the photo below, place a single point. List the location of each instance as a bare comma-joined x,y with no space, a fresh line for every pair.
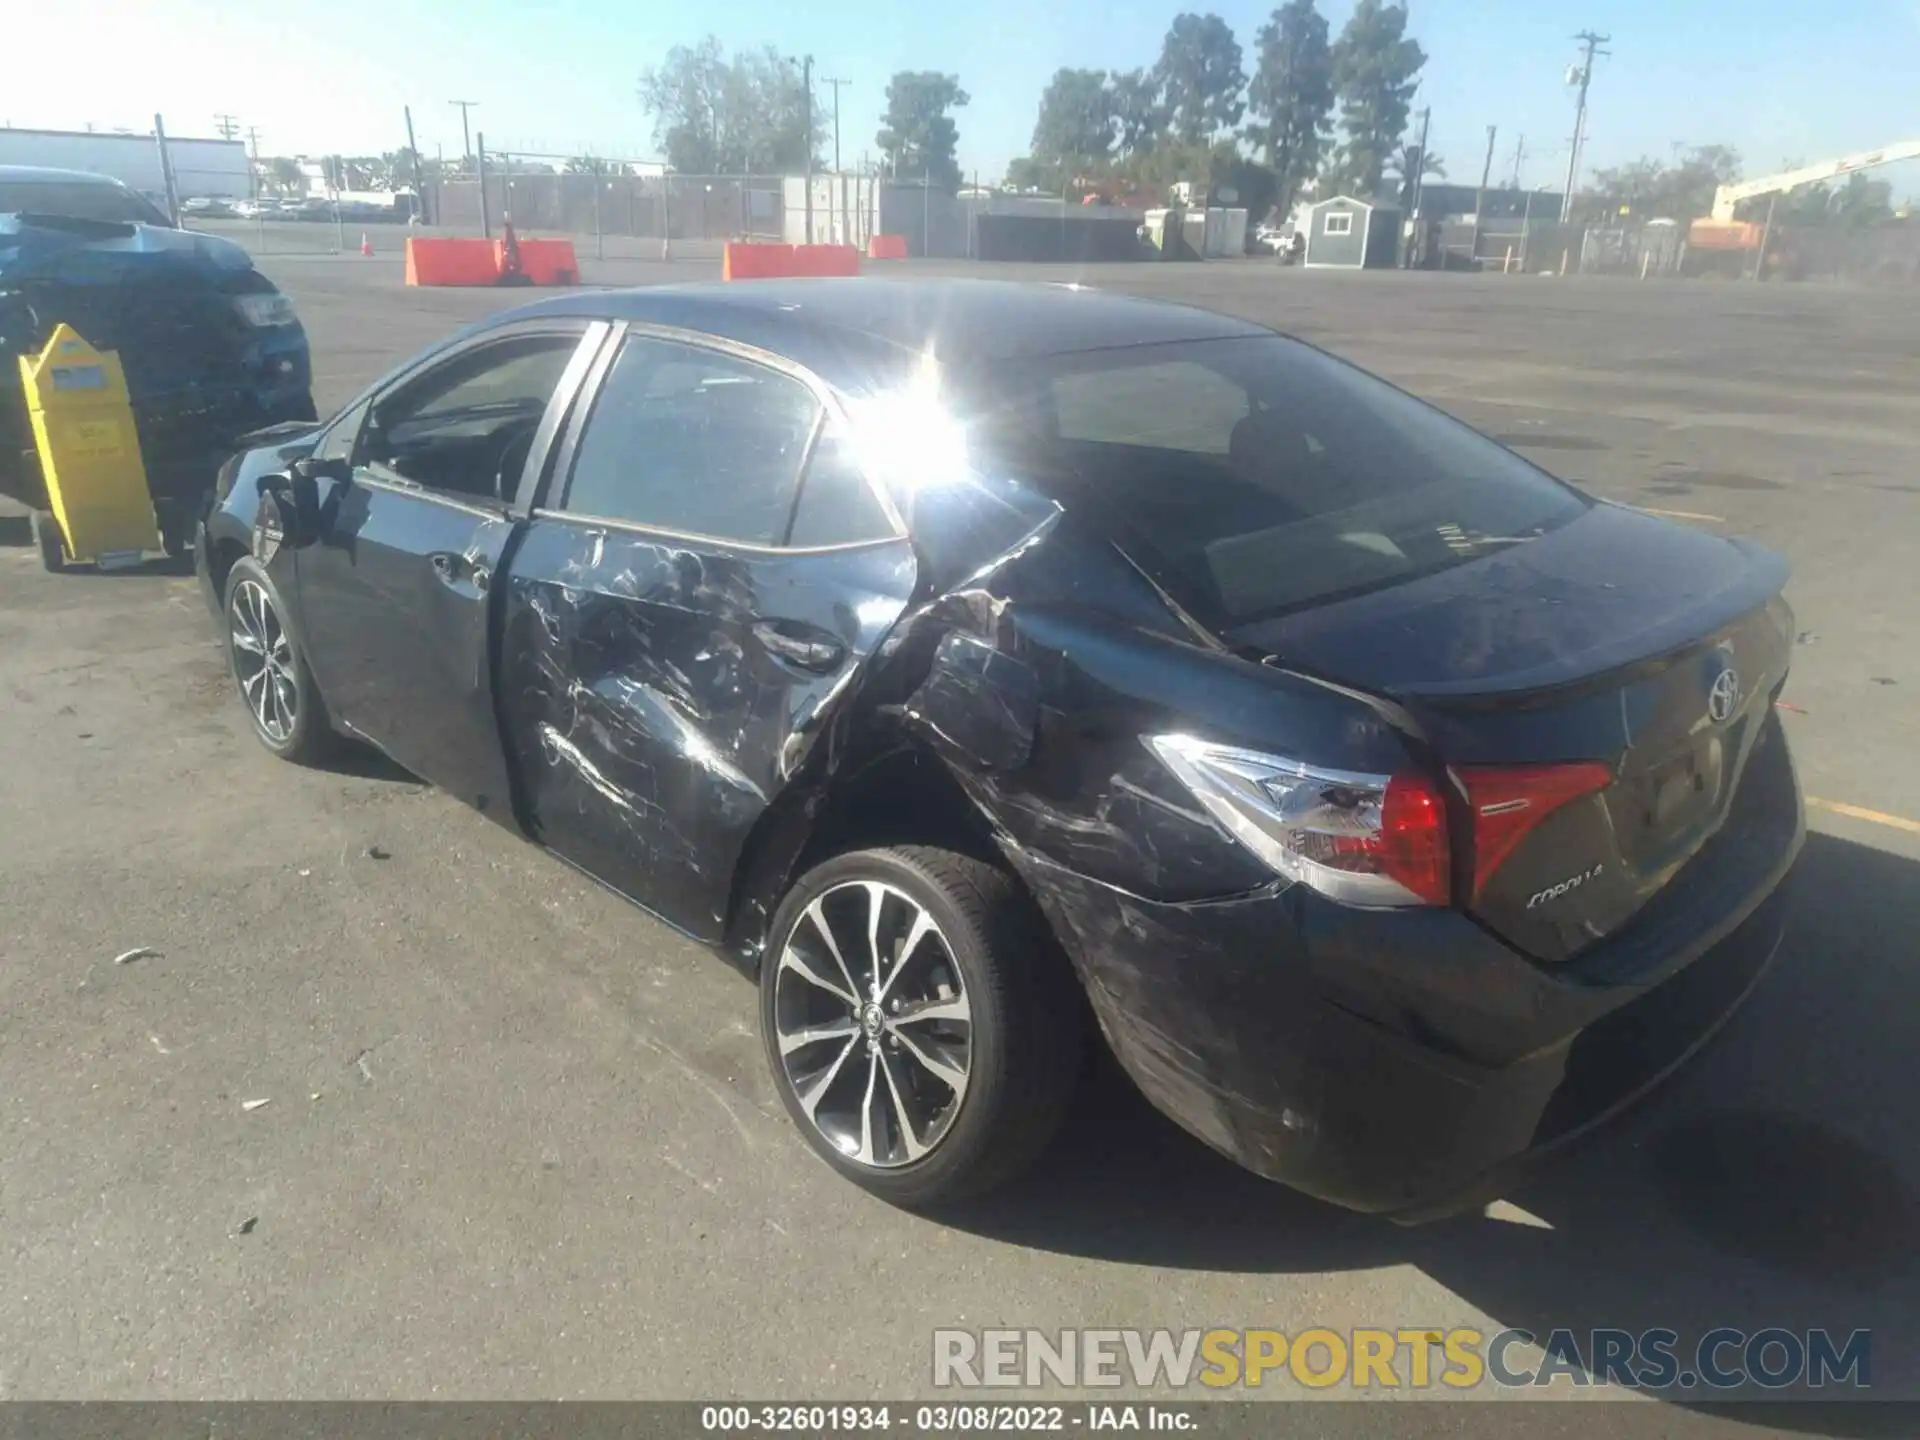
978,664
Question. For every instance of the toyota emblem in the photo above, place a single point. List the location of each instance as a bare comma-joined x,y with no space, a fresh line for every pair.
1724,698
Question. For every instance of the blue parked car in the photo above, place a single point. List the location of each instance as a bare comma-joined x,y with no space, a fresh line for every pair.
212,350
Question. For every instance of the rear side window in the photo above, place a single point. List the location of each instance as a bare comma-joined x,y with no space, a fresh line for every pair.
694,441
1175,405
836,505
1257,475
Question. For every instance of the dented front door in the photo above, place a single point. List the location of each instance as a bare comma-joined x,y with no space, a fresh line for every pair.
396,592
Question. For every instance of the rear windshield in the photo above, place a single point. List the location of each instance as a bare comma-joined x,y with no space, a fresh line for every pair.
1258,475
77,200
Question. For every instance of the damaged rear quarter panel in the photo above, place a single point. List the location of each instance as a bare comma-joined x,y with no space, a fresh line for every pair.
1046,671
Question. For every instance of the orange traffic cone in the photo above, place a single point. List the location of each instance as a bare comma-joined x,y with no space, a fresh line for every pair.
366,245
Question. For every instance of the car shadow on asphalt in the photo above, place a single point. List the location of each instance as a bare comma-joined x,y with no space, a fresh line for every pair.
1768,1184
363,761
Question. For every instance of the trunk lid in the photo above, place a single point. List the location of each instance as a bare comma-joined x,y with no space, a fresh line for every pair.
1651,649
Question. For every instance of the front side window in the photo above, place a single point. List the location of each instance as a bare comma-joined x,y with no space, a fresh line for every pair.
467,426
693,441
1340,223
342,436
1257,475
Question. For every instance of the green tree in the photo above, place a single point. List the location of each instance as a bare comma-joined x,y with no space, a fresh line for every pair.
1027,173
1650,189
714,115
1291,96
1138,111
1862,202
1074,131
916,133
1376,69
285,175
588,165
1200,78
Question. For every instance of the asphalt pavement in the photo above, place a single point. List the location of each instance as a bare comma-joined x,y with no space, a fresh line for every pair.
518,1140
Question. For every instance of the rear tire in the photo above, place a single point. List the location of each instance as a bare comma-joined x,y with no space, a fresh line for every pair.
51,544
897,1091
270,672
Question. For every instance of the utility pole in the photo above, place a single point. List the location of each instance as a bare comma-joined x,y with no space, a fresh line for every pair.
419,184
836,84
227,125
480,174
1581,75
1480,198
806,131
253,169
1519,154
166,172
1419,182
466,136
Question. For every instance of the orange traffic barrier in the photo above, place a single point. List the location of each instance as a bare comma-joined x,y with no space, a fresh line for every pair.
543,262
825,260
887,247
779,262
432,261
549,262
755,262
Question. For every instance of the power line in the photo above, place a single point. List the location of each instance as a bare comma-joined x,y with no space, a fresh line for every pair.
1582,74
1519,154
227,125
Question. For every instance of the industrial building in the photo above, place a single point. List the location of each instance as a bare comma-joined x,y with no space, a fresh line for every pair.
214,168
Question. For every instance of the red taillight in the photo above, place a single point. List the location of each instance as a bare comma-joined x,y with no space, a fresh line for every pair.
1507,802
1409,847
1413,838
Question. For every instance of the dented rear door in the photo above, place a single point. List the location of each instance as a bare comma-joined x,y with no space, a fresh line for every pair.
684,615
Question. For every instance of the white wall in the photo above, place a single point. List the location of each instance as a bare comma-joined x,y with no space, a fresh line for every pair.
200,167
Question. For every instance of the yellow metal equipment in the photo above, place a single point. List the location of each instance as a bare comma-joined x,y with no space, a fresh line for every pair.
89,451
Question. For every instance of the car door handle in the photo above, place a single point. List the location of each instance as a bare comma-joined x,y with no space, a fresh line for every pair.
805,647
450,567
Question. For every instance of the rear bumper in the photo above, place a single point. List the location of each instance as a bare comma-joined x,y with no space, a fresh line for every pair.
1407,1063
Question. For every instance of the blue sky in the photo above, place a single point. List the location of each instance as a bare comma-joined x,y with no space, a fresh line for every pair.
1777,81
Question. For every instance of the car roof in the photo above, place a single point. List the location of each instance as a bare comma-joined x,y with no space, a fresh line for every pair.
47,175
834,324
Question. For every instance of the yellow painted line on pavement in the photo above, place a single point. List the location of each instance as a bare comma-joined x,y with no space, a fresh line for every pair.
1678,514
1857,812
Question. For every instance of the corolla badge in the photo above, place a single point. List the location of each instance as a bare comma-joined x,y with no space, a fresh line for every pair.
1724,698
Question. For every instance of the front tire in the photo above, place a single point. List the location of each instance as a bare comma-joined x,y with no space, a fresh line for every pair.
922,1028
270,672
48,540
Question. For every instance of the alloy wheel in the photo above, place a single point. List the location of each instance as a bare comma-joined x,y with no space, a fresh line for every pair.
873,1024
263,662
